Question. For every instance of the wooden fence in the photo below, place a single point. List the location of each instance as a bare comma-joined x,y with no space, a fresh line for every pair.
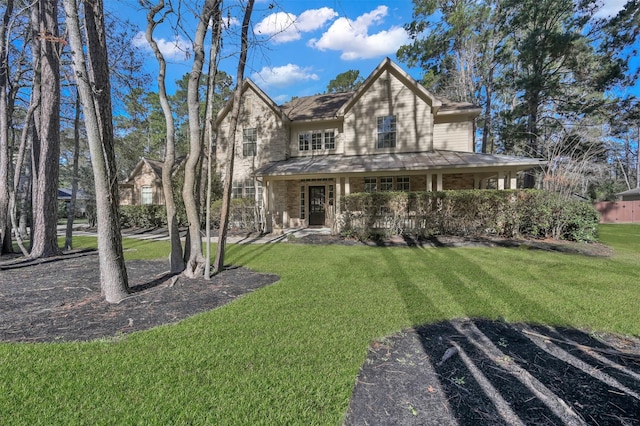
619,211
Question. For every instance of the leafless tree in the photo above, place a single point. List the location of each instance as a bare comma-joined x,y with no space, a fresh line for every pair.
218,264
5,233
176,261
195,261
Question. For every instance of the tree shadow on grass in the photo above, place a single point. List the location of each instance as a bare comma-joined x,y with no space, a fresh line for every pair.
475,372
480,372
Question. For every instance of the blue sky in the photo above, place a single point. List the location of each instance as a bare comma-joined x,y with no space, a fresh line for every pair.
302,44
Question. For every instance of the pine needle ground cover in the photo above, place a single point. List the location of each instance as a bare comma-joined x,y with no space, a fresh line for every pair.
289,353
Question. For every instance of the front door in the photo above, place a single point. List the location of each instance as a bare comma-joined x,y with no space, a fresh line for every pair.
316,206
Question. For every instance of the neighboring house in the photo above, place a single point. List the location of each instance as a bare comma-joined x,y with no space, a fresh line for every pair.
144,184
298,160
64,195
630,195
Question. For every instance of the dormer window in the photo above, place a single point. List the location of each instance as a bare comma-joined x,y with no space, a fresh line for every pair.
387,132
317,140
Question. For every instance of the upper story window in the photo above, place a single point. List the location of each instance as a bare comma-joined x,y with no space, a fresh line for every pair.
387,132
249,142
303,141
329,139
316,140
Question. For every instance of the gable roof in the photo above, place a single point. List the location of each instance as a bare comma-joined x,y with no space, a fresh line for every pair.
246,85
318,107
390,66
154,165
334,105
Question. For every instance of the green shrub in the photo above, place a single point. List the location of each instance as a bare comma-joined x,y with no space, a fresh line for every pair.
508,213
147,216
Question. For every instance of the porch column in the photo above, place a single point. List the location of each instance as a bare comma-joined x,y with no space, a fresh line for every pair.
429,182
338,200
347,186
439,182
500,180
266,202
476,182
513,181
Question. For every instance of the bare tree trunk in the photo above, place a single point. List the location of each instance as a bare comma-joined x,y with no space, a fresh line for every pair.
195,263
209,130
218,264
68,240
24,138
176,261
638,159
5,235
95,96
46,168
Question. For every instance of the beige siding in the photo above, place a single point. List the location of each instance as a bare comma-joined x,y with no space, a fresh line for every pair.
272,137
388,96
453,135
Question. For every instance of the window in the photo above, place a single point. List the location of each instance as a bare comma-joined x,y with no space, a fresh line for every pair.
249,142
370,185
250,189
236,190
316,140
303,141
302,203
386,184
402,183
387,131
146,195
329,140
331,195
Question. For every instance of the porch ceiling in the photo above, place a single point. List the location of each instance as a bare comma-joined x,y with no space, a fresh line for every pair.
395,162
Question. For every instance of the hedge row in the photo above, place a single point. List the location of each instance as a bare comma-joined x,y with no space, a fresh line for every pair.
509,213
241,215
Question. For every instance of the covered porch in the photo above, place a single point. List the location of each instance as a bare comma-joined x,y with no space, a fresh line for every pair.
307,191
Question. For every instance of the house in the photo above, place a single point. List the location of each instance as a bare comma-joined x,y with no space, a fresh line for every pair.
143,185
630,195
64,195
299,159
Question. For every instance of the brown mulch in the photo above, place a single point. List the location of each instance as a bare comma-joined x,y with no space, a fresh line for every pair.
462,372
58,299
481,372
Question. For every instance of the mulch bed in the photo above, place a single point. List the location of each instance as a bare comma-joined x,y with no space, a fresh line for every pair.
480,372
464,372
58,299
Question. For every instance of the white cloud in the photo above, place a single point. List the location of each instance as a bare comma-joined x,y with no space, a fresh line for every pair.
283,27
283,76
176,49
610,8
355,42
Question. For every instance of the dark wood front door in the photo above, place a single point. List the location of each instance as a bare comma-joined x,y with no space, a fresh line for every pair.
316,206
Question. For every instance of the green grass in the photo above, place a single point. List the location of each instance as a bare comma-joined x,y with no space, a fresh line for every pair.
289,353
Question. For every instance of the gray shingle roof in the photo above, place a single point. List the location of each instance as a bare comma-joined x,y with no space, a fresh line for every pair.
318,107
393,162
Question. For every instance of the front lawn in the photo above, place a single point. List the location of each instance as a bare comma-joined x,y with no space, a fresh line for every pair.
289,353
